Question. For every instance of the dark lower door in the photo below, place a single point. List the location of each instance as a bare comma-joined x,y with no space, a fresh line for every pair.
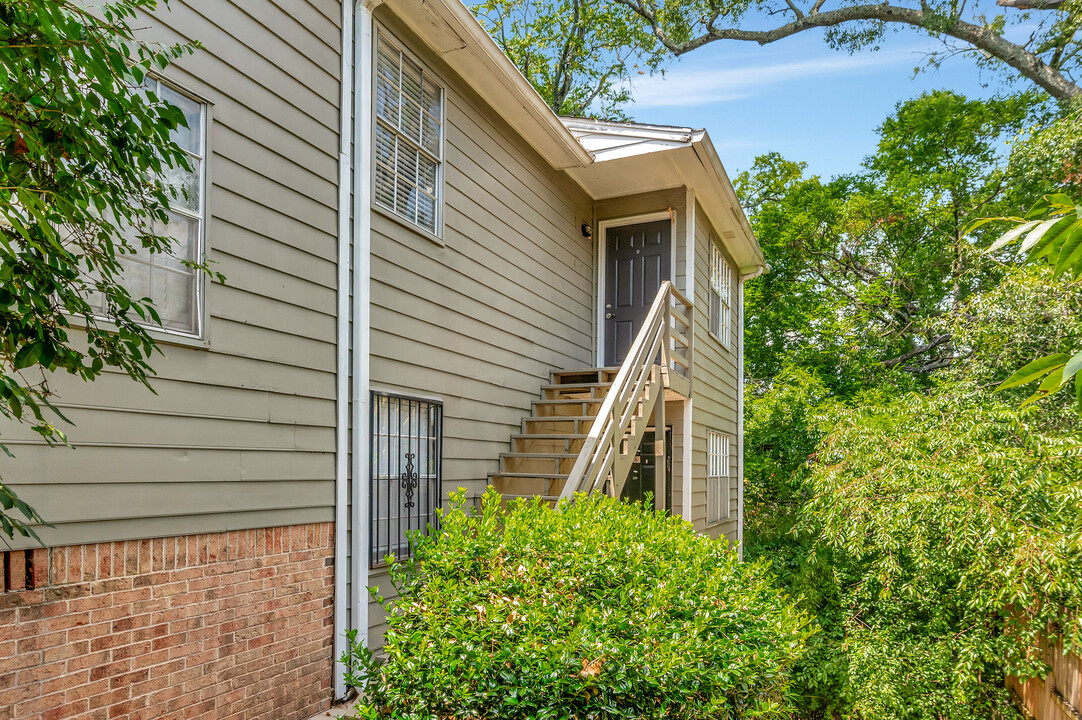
638,258
640,481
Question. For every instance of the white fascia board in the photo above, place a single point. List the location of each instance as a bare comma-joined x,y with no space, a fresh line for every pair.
667,133
719,180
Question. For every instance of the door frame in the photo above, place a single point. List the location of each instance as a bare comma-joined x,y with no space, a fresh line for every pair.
602,252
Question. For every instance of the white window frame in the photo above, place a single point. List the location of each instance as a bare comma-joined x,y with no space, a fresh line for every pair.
436,233
200,218
721,290
718,477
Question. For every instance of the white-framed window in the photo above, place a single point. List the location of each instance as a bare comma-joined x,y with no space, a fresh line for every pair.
409,137
175,288
721,286
406,470
718,477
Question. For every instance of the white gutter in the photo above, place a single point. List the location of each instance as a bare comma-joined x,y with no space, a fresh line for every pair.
341,427
740,411
362,274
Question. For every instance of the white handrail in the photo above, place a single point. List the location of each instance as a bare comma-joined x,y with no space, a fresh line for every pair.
634,381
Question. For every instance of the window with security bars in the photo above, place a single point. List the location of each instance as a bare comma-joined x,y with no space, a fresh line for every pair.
174,287
721,284
409,137
406,455
718,478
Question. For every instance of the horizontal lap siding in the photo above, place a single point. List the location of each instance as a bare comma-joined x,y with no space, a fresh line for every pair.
715,385
481,321
241,433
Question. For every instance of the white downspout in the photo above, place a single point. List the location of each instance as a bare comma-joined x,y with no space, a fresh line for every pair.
362,274
341,393
689,413
740,411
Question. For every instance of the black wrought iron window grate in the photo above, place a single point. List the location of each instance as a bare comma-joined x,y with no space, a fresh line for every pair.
406,472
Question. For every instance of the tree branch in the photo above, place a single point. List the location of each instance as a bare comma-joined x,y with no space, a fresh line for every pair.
917,351
1032,4
984,39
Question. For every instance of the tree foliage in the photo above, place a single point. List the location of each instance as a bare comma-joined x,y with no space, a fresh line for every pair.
84,152
930,528
863,267
580,55
1052,231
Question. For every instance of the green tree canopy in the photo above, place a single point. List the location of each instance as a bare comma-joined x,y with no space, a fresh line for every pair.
864,266
580,55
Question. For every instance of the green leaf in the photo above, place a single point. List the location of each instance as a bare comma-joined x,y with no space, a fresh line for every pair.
1034,370
1073,365
1012,234
1051,241
1038,232
1053,382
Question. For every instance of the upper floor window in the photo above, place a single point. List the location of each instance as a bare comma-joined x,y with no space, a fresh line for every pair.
721,285
174,288
718,477
409,137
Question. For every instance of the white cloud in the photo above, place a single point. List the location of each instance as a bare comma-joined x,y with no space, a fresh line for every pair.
704,86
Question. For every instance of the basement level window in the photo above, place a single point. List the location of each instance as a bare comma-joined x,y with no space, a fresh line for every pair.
718,477
409,137
406,455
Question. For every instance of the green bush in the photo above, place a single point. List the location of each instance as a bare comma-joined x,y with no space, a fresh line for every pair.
599,609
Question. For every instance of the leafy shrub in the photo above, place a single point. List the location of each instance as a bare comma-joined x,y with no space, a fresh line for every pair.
954,530
599,609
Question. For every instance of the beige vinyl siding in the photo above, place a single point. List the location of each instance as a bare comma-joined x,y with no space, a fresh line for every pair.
482,319
241,432
715,384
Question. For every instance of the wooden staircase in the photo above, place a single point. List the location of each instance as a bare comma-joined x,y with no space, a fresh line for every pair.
552,436
582,436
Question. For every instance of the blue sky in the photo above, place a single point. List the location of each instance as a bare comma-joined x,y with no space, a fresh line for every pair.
798,97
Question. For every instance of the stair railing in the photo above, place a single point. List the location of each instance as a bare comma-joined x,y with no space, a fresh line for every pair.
641,381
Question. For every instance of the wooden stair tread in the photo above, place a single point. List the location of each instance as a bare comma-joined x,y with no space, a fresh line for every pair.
569,401
572,386
557,418
587,371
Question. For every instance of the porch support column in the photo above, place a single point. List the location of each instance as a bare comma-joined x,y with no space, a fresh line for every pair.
661,468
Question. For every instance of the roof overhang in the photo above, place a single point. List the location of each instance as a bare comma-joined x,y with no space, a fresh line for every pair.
631,158
607,159
451,31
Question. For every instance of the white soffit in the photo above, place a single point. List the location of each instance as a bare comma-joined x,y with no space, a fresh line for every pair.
451,31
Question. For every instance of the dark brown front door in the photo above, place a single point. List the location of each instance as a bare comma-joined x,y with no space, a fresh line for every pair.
637,261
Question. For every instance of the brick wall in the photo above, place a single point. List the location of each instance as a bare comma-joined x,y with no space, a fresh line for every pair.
232,625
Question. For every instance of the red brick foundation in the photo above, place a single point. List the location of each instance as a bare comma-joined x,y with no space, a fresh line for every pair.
232,625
